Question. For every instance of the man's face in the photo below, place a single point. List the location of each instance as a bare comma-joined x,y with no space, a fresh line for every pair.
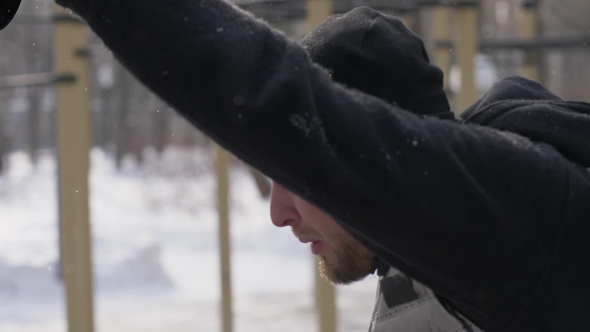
343,259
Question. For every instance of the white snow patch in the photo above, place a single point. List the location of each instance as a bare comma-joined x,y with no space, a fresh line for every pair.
155,252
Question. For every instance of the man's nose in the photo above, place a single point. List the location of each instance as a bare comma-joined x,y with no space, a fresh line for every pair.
282,211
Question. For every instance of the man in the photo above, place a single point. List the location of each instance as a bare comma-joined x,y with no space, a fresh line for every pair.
391,64
343,259
493,222
402,304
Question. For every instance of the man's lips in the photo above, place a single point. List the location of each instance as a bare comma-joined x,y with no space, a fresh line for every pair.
302,240
317,246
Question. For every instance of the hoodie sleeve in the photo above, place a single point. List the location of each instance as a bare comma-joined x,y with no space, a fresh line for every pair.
447,204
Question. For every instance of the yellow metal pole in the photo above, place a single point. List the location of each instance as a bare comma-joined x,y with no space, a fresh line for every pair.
317,12
325,296
406,16
442,34
528,30
325,302
222,161
466,50
263,184
73,141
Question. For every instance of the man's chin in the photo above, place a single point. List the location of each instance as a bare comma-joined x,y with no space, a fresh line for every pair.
340,275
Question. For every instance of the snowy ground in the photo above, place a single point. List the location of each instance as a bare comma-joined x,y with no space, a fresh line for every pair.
155,253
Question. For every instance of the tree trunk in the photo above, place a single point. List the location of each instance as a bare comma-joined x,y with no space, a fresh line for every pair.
121,111
33,125
162,129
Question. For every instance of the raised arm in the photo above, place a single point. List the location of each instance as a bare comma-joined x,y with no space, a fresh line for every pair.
446,203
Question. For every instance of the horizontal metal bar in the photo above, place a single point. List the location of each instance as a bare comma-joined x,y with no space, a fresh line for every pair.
285,9
67,18
30,19
527,44
536,44
37,79
447,3
296,9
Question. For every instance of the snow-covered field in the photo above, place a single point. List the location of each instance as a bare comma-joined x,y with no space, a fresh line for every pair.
155,252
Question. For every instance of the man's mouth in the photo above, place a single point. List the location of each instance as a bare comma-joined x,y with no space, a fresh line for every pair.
316,246
305,240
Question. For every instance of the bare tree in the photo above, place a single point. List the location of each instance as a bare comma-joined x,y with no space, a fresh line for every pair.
161,124
33,125
4,145
123,88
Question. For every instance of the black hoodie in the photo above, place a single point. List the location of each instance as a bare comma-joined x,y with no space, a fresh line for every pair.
494,222
376,54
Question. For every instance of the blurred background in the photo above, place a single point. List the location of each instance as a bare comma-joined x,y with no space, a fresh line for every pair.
157,241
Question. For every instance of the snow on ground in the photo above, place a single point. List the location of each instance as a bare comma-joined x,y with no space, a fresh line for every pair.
155,252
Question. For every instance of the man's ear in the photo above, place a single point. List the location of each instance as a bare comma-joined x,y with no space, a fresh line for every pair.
8,9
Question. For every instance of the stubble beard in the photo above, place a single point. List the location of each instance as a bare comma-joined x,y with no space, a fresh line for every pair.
351,262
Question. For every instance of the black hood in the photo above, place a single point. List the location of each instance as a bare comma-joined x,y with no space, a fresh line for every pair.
525,107
378,55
